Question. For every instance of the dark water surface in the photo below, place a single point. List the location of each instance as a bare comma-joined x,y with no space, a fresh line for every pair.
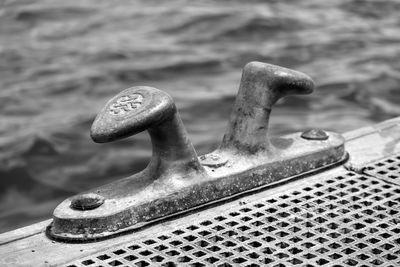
60,61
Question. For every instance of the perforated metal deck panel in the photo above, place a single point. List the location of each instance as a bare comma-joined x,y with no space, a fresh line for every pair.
387,169
345,219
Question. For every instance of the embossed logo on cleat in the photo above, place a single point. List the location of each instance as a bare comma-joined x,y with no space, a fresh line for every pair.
126,103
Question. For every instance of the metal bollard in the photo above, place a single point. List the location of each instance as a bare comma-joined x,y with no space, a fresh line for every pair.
262,85
176,180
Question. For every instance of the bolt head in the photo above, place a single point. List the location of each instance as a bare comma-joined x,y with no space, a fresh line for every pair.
315,134
213,160
87,201
214,157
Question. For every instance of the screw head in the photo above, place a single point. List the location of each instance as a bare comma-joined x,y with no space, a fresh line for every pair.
213,160
315,134
214,157
87,201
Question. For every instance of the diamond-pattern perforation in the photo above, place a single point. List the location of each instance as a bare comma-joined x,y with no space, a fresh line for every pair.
387,169
348,220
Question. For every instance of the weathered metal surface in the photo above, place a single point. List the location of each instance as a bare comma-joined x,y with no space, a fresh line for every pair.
261,86
176,179
364,208
122,210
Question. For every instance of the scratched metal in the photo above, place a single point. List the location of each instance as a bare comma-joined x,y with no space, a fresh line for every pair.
343,220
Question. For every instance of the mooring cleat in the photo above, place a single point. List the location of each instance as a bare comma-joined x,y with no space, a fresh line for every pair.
262,85
145,108
176,180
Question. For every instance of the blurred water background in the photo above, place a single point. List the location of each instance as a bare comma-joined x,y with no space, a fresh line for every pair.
60,61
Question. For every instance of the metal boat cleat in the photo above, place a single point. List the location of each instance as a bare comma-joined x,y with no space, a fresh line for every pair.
176,179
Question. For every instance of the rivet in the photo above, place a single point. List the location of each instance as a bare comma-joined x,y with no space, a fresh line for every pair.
214,157
86,201
315,134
